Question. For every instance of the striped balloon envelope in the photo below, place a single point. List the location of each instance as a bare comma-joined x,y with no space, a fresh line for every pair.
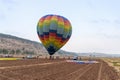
54,31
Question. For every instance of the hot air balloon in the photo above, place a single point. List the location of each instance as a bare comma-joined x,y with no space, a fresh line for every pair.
53,31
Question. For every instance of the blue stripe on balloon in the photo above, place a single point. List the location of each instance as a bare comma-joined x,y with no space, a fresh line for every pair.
45,33
41,35
59,35
44,16
63,39
53,31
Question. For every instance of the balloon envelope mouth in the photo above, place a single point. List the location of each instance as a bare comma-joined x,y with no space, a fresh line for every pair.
51,50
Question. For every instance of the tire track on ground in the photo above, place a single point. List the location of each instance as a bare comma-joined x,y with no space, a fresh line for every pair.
79,70
31,65
66,69
72,75
6,77
77,78
11,77
100,70
91,74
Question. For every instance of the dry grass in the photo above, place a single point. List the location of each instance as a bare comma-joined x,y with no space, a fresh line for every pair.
114,62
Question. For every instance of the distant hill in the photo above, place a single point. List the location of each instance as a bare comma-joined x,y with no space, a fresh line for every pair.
14,45
99,54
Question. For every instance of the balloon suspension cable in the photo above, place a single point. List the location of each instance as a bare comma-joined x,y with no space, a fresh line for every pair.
50,57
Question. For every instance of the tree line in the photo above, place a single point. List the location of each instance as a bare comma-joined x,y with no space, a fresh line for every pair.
12,51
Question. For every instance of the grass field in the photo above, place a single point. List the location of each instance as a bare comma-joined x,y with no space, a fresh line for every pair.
114,62
10,58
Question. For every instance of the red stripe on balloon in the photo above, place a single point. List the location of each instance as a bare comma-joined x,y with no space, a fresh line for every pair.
46,37
67,24
58,38
60,19
41,38
52,34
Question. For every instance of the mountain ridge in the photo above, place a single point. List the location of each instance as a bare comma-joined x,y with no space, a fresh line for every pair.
11,44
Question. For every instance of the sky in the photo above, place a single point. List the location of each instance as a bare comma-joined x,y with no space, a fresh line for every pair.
95,23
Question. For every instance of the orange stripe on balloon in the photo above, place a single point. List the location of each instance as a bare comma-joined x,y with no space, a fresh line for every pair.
54,18
60,19
46,37
67,24
52,36
58,40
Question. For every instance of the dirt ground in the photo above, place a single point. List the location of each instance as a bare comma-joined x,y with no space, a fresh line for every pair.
45,69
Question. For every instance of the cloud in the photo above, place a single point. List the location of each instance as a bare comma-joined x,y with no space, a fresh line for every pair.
101,21
2,17
94,21
111,36
8,1
90,4
117,21
8,4
6,7
105,20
